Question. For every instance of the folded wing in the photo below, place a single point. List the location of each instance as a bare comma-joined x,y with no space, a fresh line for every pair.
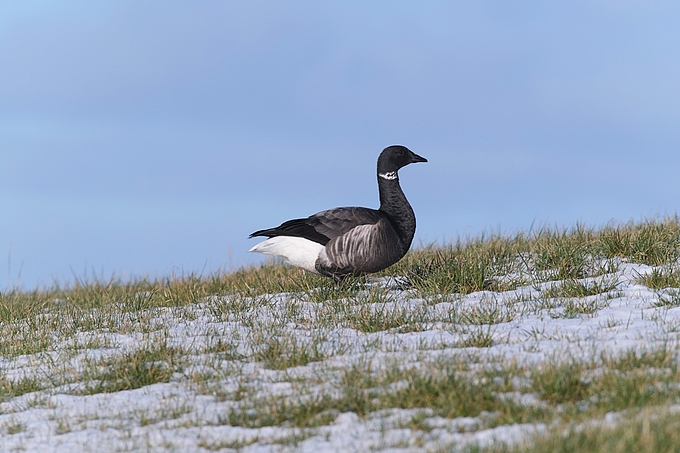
326,225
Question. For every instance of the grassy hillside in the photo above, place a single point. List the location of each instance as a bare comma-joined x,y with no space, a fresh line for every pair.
554,340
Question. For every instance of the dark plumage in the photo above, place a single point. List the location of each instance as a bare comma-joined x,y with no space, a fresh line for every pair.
351,241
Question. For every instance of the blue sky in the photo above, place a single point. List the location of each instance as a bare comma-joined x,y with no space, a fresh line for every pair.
145,138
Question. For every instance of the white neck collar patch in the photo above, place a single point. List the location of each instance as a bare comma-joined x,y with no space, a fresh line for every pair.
390,175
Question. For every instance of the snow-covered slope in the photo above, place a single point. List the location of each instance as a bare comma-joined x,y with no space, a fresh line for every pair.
232,372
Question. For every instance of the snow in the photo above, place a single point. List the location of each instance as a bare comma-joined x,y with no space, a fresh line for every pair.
187,414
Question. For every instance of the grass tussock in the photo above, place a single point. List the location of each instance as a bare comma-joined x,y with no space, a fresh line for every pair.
649,431
661,278
571,288
133,370
464,267
543,256
651,242
280,353
11,388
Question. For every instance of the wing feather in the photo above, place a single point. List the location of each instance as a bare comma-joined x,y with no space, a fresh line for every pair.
339,221
325,225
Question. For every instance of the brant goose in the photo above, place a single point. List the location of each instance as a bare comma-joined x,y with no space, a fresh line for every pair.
351,241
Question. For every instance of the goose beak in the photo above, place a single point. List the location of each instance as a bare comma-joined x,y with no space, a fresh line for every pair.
416,158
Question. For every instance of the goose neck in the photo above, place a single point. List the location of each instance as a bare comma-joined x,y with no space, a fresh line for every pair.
393,202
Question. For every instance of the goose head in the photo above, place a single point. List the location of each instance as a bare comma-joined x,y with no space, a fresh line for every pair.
395,157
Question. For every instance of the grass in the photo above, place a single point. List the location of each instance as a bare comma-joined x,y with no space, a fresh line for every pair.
666,278
283,352
12,427
464,267
650,242
273,346
133,370
448,391
12,388
491,312
573,392
648,431
571,288
661,278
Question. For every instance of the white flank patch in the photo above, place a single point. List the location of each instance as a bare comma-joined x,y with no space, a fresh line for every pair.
296,251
